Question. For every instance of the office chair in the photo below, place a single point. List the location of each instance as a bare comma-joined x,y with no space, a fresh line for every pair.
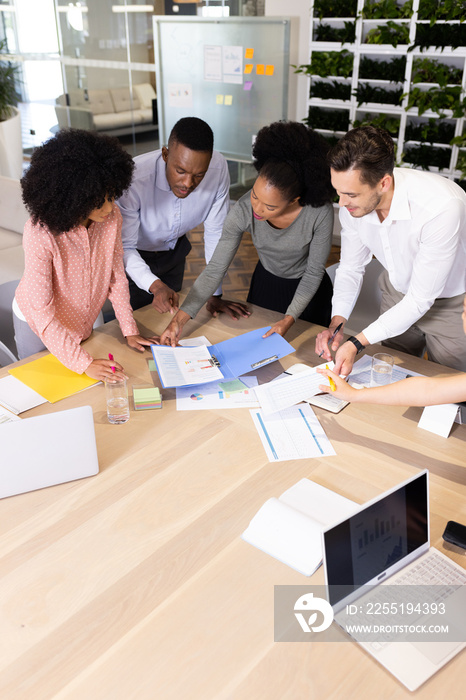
6,356
7,334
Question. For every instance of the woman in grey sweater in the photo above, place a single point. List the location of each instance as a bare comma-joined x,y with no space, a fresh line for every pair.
290,217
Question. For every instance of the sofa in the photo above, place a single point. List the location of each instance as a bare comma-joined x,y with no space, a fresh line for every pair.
114,111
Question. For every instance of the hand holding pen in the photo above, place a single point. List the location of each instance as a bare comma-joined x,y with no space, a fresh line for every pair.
332,337
106,370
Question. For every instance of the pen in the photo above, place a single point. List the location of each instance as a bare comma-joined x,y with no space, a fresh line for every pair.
110,357
332,337
333,386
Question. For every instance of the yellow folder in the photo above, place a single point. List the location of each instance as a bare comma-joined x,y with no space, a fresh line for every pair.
51,379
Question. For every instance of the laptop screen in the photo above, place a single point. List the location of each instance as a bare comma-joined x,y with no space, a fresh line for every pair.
388,530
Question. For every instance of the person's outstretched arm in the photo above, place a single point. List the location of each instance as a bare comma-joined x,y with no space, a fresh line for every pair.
413,391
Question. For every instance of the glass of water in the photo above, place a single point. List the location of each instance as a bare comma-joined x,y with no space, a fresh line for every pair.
117,401
382,368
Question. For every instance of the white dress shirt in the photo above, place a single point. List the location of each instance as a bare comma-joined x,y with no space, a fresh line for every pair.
154,218
421,243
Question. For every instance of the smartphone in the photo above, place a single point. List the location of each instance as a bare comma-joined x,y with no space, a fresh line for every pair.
455,533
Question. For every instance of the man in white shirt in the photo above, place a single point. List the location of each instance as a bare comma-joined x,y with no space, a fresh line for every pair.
174,189
414,223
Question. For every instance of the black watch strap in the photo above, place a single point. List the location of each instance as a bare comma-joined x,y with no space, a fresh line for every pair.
359,346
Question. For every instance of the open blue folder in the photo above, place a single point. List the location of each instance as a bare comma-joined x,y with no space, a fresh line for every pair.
225,360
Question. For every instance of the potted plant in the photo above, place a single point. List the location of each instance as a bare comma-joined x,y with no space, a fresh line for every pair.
11,152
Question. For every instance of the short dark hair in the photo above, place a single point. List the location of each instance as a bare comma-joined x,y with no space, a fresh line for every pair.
193,133
293,158
368,149
71,174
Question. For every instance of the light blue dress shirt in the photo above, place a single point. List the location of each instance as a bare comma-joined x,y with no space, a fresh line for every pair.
154,218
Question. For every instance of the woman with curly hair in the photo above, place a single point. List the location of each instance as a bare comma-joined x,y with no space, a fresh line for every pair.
290,217
73,250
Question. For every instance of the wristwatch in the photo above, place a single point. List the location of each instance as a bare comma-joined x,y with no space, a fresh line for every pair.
359,346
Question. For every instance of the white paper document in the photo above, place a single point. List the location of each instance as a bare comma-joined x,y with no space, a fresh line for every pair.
283,393
17,397
294,433
361,372
7,416
289,528
439,419
213,63
232,62
217,395
186,366
194,342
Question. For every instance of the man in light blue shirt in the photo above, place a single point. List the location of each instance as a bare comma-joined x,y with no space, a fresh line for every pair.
174,189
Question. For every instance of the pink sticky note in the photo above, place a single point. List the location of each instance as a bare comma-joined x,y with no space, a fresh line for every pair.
247,85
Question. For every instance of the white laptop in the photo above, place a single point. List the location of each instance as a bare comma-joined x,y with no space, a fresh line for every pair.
47,450
387,543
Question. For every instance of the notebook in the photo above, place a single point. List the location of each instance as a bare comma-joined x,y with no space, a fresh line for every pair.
383,546
47,450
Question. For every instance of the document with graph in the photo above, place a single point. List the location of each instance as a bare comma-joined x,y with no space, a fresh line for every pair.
294,433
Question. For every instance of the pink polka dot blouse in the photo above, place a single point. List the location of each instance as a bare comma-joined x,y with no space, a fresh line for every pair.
66,281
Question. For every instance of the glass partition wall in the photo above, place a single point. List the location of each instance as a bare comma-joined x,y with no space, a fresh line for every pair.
86,64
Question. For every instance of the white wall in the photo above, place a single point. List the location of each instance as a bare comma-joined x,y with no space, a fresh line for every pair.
299,50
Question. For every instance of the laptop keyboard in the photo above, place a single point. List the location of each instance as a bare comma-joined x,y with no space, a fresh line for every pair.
432,570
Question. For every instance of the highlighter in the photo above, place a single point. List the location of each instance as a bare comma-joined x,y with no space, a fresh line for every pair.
333,386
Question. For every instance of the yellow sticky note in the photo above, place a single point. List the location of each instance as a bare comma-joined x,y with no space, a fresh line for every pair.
269,70
260,69
248,68
228,100
220,99
249,53
51,379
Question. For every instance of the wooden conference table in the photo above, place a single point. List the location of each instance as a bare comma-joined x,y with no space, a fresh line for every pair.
135,583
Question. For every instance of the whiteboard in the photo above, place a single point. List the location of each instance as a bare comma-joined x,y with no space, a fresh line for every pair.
232,72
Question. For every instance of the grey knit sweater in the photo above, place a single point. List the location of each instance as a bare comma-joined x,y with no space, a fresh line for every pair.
299,251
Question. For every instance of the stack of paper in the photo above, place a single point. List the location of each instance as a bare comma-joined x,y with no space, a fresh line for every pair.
146,397
17,397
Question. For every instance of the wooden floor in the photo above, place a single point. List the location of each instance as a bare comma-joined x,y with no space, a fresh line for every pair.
236,282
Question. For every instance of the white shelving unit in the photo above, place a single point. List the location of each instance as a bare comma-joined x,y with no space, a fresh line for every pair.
449,56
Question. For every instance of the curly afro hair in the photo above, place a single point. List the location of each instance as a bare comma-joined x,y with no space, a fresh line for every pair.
71,174
293,159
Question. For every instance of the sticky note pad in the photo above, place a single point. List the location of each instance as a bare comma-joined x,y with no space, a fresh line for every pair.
152,366
219,99
248,68
260,69
247,85
249,53
228,100
232,387
269,70
146,397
